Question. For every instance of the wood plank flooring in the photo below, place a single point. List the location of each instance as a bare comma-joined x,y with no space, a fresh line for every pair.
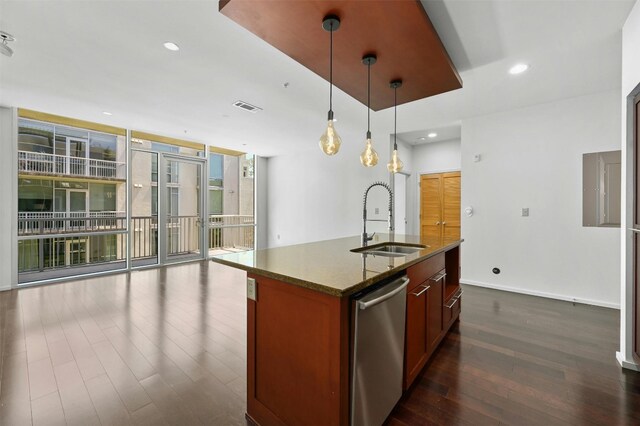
524,360
168,346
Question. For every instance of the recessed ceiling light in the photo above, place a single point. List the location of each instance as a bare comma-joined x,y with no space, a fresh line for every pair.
518,69
422,139
171,46
106,113
432,135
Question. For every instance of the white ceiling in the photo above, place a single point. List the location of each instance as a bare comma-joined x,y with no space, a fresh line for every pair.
80,58
442,133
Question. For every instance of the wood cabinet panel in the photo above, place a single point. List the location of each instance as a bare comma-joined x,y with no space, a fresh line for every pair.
299,371
416,334
434,311
422,271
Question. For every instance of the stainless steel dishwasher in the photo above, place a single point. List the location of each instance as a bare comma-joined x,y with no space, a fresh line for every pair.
378,352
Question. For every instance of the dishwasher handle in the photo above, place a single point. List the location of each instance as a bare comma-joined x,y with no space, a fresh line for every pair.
370,303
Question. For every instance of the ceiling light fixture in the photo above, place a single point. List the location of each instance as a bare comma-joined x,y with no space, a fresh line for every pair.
518,69
106,113
395,165
432,135
369,156
171,46
330,141
4,46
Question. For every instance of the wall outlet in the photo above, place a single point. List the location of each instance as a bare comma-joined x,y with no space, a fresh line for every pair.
477,158
377,210
525,211
252,289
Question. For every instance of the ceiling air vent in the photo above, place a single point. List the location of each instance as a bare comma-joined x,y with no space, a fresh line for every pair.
247,107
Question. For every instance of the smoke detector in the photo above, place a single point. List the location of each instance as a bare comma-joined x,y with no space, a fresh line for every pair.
5,38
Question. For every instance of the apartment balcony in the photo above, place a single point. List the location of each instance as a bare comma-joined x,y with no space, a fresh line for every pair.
231,233
53,223
39,163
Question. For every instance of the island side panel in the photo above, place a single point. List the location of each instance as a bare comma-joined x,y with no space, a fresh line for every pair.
297,356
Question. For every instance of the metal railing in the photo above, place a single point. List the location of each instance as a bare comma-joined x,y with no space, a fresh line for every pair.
51,257
52,244
231,232
49,223
43,163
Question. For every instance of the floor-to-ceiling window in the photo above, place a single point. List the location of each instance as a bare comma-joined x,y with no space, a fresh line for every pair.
186,201
71,198
231,202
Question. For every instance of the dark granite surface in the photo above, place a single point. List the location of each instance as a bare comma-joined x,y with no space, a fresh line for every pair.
330,266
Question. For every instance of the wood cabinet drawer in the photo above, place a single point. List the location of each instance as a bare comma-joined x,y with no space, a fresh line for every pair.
451,308
422,271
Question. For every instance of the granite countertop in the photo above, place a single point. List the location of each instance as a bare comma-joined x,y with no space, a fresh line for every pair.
330,266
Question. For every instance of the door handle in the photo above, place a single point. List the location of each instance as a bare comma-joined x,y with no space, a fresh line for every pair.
437,223
365,305
634,230
444,223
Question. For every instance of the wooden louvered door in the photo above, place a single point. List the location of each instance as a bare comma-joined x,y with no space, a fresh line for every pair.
440,205
431,205
451,205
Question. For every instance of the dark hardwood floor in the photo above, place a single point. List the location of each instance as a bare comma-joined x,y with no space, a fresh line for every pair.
167,346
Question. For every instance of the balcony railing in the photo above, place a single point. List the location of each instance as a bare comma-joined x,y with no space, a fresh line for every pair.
57,244
50,223
235,232
52,164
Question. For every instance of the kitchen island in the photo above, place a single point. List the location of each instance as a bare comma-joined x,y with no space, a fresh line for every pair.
299,319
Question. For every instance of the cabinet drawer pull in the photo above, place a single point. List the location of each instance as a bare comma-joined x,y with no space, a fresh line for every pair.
451,303
424,288
439,277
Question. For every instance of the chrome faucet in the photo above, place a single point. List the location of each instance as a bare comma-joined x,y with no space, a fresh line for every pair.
366,237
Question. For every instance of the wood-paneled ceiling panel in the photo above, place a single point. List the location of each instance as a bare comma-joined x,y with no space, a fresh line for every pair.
399,32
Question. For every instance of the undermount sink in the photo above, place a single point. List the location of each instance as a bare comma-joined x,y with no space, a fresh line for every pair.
390,249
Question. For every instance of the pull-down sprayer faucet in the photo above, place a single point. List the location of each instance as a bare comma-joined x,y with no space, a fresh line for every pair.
365,237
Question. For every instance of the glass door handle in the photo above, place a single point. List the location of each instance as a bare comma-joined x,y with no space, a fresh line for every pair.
634,230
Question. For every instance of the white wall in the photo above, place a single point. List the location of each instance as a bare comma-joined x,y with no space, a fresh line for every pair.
532,157
315,197
262,194
630,79
428,158
8,195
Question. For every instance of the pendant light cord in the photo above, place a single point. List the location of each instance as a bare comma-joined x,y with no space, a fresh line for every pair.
395,117
369,99
331,69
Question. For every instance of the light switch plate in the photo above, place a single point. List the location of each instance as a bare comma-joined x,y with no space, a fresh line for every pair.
525,211
252,289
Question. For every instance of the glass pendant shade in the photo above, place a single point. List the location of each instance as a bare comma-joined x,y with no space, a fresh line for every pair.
369,156
395,165
330,140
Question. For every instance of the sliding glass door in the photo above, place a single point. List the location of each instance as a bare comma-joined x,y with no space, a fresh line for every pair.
181,208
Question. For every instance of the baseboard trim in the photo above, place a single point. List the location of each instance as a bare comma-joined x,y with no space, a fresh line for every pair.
629,365
542,294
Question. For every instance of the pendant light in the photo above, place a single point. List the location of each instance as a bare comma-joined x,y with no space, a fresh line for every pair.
369,156
395,165
330,141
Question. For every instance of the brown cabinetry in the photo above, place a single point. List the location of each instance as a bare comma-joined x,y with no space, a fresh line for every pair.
429,315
